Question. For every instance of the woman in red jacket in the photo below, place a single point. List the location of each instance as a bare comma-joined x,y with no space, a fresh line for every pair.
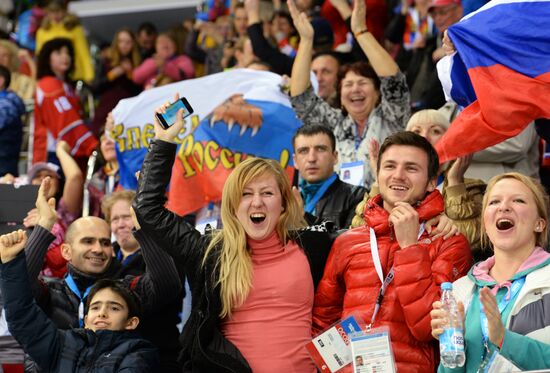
57,111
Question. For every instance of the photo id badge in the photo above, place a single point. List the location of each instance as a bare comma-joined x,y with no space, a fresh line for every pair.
499,364
330,350
372,352
353,173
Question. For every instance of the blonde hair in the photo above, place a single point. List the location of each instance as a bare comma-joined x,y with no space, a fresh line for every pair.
539,195
428,116
233,263
109,201
13,51
114,53
69,21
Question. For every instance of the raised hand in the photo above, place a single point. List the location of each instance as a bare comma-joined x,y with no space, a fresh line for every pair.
47,215
12,244
358,16
374,149
169,134
252,8
455,175
301,22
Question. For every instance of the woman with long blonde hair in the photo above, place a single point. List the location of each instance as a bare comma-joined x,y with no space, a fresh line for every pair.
253,281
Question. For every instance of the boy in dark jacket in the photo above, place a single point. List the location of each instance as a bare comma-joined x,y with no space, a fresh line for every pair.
106,344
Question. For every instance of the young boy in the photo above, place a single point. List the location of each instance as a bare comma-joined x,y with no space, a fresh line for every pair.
105,345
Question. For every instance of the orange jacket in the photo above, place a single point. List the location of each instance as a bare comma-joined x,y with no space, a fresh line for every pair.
350,282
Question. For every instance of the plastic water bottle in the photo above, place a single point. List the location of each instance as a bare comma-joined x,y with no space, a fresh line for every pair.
451,342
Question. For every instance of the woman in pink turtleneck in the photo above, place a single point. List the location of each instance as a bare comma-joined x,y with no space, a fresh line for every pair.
253,281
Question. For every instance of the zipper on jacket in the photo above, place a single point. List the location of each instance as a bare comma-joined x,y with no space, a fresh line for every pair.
90,369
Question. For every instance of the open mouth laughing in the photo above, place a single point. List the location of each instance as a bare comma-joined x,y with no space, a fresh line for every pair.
257,218
504,224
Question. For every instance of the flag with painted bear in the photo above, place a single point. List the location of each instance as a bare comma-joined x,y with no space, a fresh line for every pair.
500,74
237,114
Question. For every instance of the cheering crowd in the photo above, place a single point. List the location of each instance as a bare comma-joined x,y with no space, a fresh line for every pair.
103,279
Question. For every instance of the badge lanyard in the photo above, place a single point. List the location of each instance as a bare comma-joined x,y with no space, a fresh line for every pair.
358,139
516,287
310,206
378,266
72,285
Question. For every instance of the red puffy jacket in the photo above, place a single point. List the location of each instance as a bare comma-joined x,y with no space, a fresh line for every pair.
350,282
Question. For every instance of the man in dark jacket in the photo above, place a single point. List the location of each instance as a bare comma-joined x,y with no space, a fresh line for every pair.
325,196
89,252
105,345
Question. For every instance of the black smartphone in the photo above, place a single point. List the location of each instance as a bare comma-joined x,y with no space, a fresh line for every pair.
169,117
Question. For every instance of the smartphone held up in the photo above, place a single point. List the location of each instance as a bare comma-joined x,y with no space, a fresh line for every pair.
169,117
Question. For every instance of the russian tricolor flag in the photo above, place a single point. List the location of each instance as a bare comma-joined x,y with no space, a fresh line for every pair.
500,74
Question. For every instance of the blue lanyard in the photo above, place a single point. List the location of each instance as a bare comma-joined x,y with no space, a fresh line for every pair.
516,287
359,139
72,285
310,206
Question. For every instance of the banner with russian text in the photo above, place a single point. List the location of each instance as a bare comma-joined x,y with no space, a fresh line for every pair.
237,114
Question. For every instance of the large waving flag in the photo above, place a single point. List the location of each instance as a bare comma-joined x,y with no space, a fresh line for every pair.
237,114
500,74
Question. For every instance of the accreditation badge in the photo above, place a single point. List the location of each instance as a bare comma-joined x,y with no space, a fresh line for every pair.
331,350
353,173
499,364
372,352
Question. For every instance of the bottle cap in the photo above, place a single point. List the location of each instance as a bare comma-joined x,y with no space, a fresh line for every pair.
447,286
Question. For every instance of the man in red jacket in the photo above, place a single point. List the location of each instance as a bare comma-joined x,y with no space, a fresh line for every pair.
395,241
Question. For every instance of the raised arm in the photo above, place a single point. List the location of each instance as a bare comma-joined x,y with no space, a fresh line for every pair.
28,324
170,231
299,80
281,63
160,284
74,180
41,236
380,60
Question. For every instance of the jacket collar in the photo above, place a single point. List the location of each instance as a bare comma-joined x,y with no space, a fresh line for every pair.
85,280
479,273
376,216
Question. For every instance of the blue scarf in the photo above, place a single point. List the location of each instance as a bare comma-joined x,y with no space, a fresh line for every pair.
313,192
